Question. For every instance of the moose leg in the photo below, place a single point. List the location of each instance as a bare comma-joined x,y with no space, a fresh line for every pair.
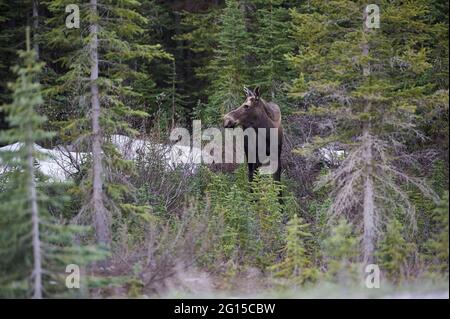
251,171
277,175
251,166
277,178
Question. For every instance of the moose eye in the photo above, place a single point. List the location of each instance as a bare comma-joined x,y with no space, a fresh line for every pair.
246,106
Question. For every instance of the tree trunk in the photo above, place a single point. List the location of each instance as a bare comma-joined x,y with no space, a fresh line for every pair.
101,220
174,78
368,202
272,77
36,242
36,27
32,199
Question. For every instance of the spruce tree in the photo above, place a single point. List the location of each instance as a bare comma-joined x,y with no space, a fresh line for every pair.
197,38
363,81
231,214
107,49
34,247
271,43
296,265
229,71
340,253
268,214
25,127
160,85
13,16
438,245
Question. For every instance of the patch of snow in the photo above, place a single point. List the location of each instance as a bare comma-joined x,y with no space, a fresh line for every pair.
59,163
54,163
331,156
175,155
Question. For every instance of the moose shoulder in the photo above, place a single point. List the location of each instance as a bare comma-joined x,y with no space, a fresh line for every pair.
262,117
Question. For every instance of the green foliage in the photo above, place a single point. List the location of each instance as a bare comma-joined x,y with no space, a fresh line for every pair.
15,203
269,214
56,239
164,63
341,250
124,89
231,215
248,217
296,264
135,284
438,246
227,72
243,43
273,28
393,252
198,37
12,24
439,177
365,82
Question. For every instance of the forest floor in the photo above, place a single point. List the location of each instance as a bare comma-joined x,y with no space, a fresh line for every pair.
322,291
198,285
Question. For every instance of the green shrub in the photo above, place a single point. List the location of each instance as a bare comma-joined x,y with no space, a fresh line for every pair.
393,252
296,264
438,245
341,252
249,217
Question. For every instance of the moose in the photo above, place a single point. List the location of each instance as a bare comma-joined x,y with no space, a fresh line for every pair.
258,114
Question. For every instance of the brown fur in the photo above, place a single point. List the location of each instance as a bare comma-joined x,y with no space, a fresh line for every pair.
257,113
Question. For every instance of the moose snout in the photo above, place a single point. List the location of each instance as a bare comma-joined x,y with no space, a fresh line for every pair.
229,122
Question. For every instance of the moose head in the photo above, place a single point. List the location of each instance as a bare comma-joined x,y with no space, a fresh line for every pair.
250,114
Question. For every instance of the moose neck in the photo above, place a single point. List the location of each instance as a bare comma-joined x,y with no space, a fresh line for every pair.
267,121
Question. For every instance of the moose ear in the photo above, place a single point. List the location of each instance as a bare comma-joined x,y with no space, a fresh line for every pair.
257,92
248,92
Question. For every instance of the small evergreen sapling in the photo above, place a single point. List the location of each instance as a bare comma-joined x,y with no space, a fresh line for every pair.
34,248
341,252
296,265
437,247
393,252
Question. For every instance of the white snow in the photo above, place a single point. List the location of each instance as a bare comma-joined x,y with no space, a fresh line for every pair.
175,155
331,156
59,164
54,163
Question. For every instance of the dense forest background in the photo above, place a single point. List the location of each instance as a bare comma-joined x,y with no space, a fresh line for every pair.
365,159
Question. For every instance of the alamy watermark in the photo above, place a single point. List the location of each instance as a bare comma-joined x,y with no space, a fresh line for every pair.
373,276
73,18
372,20
73,277
229,146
